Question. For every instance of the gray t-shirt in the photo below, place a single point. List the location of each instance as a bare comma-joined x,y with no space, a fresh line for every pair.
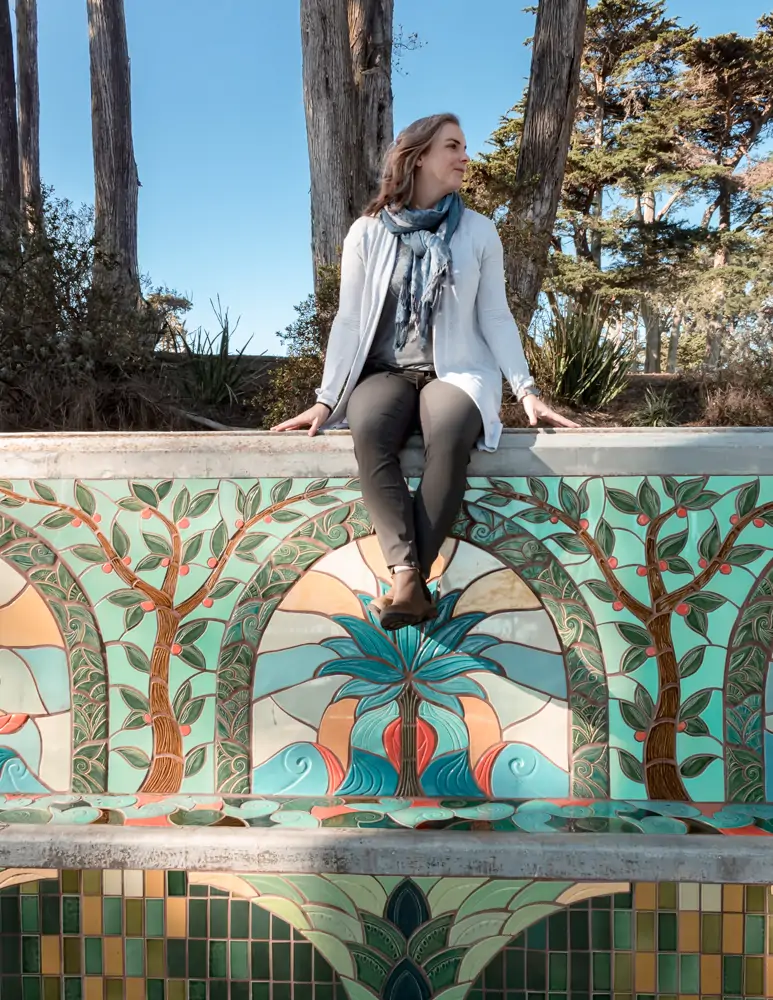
414,354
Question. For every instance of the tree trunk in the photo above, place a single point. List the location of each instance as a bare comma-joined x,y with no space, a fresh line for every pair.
409,784
370,42
547,131
597,209
332,126
10,185
673,344
115,170
653,326
29,109
715,333
166,771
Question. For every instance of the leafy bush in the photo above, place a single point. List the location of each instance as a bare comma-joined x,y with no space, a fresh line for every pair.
290,388
575,359
70,358
657,410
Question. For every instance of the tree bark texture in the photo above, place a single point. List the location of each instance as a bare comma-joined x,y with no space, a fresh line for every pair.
115,170
332,126
653,327
370,41
29,108
10,185
548,122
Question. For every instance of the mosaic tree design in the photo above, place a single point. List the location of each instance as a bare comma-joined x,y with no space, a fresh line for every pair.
151,568
53,731
656,721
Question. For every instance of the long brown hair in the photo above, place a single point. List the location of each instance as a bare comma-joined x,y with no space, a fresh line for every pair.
400,162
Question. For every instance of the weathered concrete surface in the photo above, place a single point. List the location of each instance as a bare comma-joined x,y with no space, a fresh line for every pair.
592,857
249,454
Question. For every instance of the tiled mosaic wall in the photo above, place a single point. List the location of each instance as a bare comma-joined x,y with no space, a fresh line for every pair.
597,638
158,936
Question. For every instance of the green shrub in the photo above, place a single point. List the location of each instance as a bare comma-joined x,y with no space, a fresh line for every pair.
576,360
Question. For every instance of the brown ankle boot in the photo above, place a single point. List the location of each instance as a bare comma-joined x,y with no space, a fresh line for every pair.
380,604
411,602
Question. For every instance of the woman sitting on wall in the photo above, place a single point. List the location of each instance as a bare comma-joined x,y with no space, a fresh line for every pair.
422,333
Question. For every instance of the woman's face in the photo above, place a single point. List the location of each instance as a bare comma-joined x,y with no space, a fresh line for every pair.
444,162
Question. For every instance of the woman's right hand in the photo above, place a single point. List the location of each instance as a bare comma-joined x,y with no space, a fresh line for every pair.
313,418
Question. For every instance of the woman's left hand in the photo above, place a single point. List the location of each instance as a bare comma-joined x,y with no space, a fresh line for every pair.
537,412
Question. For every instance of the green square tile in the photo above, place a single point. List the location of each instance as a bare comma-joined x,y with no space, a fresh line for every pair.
49,887
280,931
579,972
558,931
155,989
668,930
154,918
260,960
536,971
689,974
755,898
71,882
240,960
133,913
176,989
50,915
601,930
322,971
10,956
93,954
10,922
602,971
198,953
92,883
623,901
71,914
112,915
558,965
218,959
711,933
198,891
537,936
303,963
114,989
73,989
579,929
327,993
281,954
261,923
30,955
176,959
622,924
198,923
240,918
261,991
283,991
71,954
755,935
135,957
645,931
494,973
176,884
668,896
52,987
213,891
30,915
240,991
197,991
31,988
218,918
668,973
513,969
218,989
622,972
154,959
754,977
732,974
11,986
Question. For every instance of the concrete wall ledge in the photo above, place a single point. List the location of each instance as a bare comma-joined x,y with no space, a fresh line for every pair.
249,454
577,857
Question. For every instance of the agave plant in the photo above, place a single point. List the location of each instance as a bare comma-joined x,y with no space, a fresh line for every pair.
411,666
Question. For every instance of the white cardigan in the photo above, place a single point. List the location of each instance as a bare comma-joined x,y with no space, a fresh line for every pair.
474,335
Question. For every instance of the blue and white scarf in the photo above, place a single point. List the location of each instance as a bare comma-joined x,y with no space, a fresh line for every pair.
428,232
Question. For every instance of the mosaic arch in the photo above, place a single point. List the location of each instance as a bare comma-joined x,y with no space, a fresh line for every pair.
164,592
480,699
53,727
385,938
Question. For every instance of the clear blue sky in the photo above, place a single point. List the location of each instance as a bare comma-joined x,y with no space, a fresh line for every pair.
219,129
